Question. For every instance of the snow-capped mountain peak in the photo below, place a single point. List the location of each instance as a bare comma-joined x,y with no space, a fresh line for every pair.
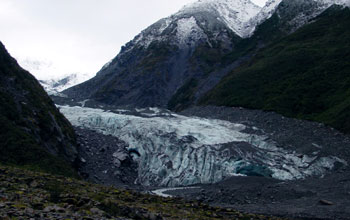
55,85
233,13
188,23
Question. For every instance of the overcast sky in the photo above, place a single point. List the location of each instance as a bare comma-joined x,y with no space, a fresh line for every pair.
69,36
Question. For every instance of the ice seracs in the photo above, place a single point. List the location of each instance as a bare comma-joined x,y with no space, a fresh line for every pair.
175,150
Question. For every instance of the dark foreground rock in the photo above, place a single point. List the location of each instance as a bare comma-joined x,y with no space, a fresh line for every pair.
104,159
30,195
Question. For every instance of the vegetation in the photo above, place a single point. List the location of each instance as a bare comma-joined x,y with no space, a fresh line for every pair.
32,129
304,75
209,57
184,96
26,194
157,53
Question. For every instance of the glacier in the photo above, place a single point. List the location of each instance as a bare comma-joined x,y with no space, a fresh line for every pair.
176,150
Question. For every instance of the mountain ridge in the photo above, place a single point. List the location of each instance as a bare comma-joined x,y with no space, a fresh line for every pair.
179,58
178,42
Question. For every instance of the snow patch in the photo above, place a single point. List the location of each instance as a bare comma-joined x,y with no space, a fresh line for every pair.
188,32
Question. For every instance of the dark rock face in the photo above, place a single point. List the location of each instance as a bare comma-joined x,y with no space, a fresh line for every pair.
33,132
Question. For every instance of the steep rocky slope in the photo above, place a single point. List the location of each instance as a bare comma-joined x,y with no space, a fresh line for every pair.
304,75
33,133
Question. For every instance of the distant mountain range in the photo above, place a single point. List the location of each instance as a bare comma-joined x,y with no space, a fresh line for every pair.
56,86
50,75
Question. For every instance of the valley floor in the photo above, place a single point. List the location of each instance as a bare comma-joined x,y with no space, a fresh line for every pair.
313,198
